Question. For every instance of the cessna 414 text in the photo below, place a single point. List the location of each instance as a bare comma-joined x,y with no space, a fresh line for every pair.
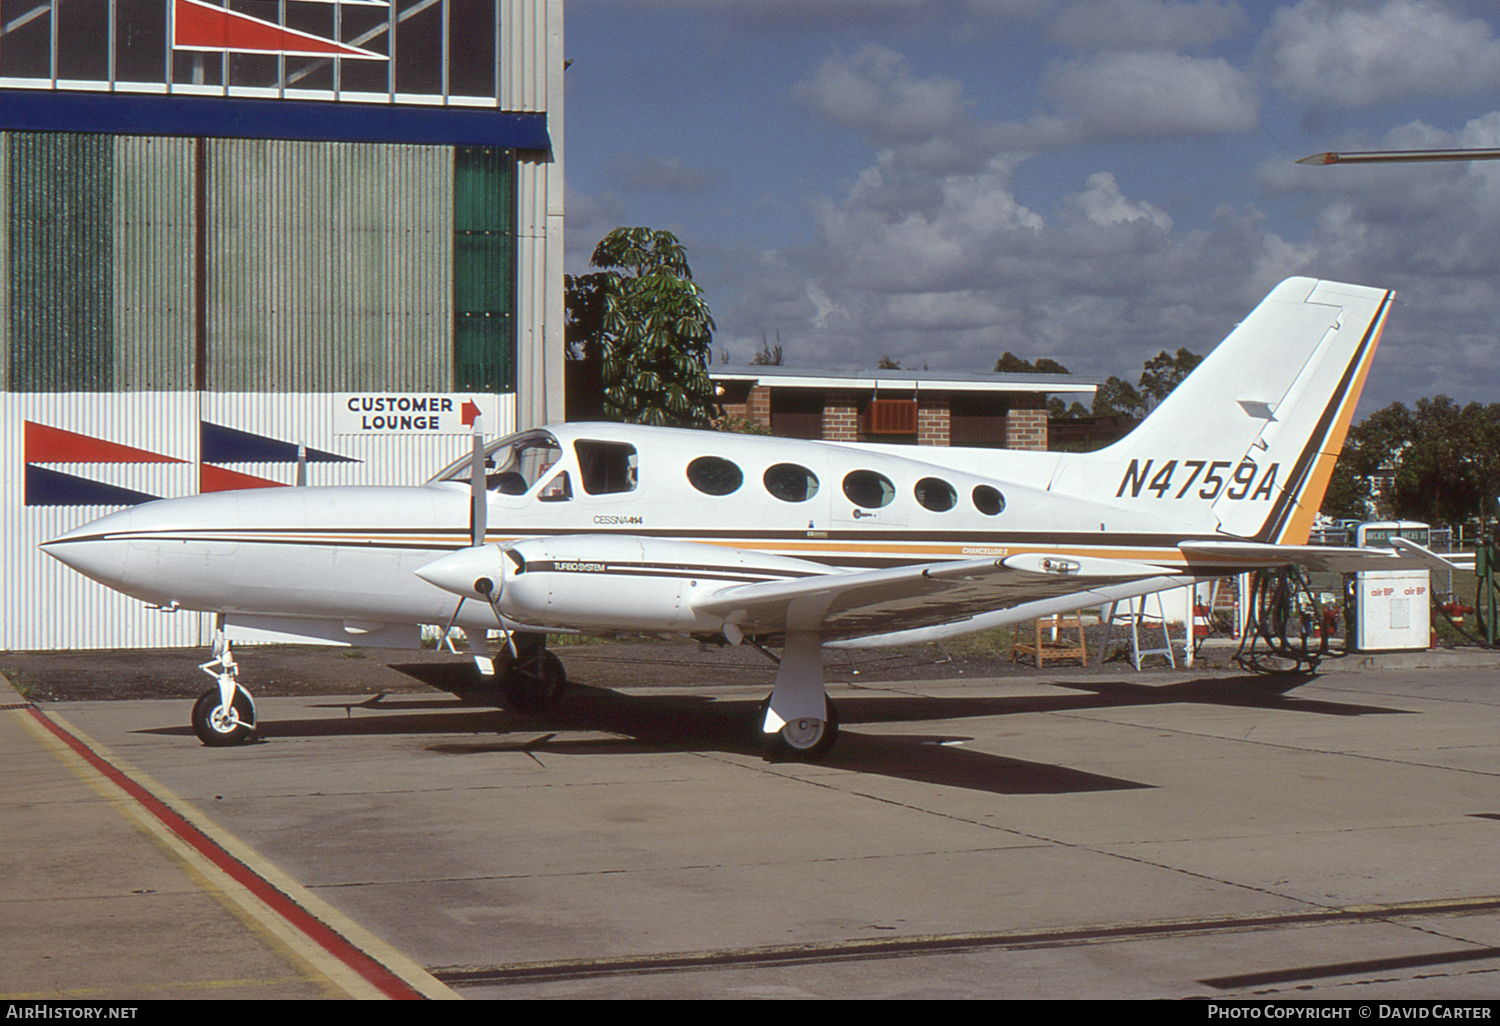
603,528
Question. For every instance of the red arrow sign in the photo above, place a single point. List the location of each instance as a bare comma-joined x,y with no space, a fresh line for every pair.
203,26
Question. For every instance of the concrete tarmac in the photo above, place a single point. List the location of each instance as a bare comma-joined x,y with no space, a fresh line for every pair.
1107,835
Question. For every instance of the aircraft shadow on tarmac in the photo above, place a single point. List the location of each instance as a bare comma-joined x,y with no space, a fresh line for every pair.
692,723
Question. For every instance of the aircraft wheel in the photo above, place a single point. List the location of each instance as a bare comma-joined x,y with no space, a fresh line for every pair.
801,740
218,727
535,682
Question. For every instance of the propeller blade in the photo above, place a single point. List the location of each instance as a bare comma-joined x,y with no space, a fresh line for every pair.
479,511
451,621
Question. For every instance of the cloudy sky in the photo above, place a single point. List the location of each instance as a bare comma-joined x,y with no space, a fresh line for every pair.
944,180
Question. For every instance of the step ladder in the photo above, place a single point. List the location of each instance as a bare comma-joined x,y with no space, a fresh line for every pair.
1136,615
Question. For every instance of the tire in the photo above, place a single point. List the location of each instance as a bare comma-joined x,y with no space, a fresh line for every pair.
217,731
794,743
534,683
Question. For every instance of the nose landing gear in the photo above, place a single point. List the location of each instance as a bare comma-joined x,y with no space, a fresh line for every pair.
224,715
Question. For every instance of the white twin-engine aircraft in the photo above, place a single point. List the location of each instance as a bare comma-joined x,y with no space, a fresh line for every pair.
604,528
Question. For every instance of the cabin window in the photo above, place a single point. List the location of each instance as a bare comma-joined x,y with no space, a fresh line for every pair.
988,501
791,483
606,467
556,490
935,494
868,489
714,476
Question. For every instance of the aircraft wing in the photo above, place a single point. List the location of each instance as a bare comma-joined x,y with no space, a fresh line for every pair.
878,602
1238,557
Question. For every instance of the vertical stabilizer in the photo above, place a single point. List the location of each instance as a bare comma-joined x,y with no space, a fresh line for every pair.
1246,444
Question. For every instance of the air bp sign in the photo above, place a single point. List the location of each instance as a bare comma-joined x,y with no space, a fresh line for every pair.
411,413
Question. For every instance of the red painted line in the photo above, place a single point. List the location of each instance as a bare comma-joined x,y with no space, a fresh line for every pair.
387,982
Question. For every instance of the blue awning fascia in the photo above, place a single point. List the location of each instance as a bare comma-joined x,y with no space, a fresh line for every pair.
229,117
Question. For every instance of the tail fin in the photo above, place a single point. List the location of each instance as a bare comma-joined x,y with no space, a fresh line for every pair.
1246,444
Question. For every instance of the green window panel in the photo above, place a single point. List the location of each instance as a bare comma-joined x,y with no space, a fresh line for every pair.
60,191
484,269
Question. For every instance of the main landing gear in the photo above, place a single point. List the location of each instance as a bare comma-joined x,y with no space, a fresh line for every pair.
224,715
798,721
531,678
534,679
804,739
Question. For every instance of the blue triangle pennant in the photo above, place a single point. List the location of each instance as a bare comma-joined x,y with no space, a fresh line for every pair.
53,488
230,445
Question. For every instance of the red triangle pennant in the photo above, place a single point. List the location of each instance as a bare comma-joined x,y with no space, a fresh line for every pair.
204,26
221,479
46,444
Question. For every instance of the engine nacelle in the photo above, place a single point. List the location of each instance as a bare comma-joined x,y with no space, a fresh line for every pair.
606,582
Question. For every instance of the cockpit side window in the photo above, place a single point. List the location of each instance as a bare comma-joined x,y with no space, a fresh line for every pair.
512,465
606,467
516,469
557,489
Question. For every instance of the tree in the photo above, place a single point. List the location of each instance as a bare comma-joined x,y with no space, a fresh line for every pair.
1118,398
1162,373
1438,463
648,324
768,356
1010,363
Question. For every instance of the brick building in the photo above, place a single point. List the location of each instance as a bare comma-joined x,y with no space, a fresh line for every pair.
1003,411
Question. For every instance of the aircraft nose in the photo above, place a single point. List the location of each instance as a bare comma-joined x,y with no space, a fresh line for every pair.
97,549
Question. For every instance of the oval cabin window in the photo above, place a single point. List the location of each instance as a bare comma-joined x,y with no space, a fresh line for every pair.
868,489
791,483
935,494
712,475
988,501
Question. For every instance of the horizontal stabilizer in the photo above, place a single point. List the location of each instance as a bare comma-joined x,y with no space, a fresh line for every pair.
1246,556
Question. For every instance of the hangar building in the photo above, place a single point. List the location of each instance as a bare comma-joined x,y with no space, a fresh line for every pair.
233,228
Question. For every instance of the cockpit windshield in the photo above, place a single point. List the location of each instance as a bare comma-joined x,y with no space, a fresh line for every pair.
511,464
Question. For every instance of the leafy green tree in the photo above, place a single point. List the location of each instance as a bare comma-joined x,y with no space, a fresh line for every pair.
1118,398
1437,462
646,321
1010,363
1162,373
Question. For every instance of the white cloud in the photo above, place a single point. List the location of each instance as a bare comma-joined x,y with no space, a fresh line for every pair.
876,92
1359,55
896,232
1102,203
1133,95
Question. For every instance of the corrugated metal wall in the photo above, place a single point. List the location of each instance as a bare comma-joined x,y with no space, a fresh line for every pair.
5,347
44,605
330,266
60,189
327,266
154,236
532,79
